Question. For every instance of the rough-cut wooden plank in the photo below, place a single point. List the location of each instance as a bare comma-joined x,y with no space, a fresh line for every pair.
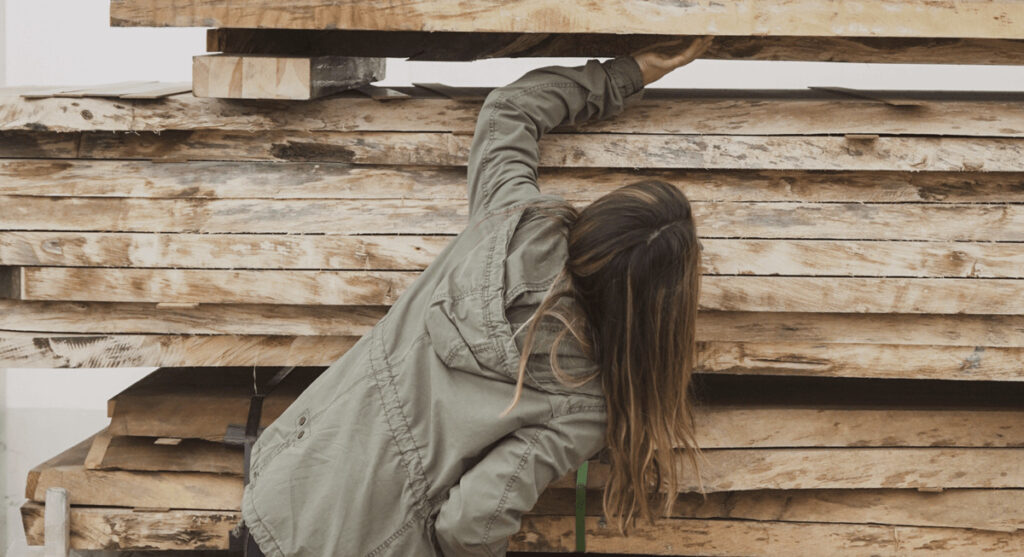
105,528
199,403
441,45
903,18
26,349
752,152
676,111
342,252
862,360
846,468
729,293
576,150
725,538
191,455
228,76
260,251
284,180
838,221
246,319
19,349
984,509
182,490
111,527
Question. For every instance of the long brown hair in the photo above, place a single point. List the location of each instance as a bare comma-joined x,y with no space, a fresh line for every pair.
634,272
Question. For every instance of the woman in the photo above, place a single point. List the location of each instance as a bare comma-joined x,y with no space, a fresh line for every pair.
578,324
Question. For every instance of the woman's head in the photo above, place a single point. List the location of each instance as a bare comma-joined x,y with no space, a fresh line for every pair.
634,272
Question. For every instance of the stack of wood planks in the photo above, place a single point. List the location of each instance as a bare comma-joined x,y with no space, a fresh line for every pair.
861,335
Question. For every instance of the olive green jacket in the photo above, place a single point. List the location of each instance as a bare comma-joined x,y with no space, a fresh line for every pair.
397,449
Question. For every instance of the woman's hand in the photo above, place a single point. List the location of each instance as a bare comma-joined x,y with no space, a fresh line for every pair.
659,59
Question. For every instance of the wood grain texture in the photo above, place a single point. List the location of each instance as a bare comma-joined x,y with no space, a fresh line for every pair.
612,150
95,528
660,111
728,293
119,488
846,468
983,509
191,455
351,252
197,403
724,538
292,320
442,45
18,349
227,76
106,528
989,222
296,180
906,18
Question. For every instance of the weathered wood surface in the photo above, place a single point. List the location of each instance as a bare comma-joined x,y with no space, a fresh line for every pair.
226,76
903,18
198,403
190,455
846,468
728,293
106,528
984,509
347,252
611,150
724,538
120,488
21,349
464,46
728,470
298,180
661,111
28,349
989,222
292,320
972,510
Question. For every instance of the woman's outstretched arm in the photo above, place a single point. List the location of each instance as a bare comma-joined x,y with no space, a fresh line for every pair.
504,154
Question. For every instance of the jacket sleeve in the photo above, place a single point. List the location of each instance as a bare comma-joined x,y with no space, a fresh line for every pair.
485,507
503,156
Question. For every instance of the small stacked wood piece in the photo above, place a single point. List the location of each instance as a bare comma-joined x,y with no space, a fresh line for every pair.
861,335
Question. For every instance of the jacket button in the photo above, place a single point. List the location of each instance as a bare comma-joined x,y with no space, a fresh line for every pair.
302,420
301,433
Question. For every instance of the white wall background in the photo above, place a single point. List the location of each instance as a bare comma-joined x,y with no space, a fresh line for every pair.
57,42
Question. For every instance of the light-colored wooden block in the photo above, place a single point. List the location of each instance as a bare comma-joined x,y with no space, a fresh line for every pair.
280,77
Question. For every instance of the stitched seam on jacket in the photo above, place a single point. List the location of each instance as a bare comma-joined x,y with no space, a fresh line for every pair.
394,536
266,527
508,487
398,425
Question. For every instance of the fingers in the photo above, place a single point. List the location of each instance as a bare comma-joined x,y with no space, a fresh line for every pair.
692,52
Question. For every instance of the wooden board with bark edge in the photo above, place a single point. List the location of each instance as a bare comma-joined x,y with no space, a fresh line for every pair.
726,538
198,403
845,468
465,46
29,349
728,470
881,18
988,222
725,293
105,527
181,490
661,111
292,320
997,510
613,150
143,454
358,252
212,180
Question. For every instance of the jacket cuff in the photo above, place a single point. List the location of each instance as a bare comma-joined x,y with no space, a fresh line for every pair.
626,75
